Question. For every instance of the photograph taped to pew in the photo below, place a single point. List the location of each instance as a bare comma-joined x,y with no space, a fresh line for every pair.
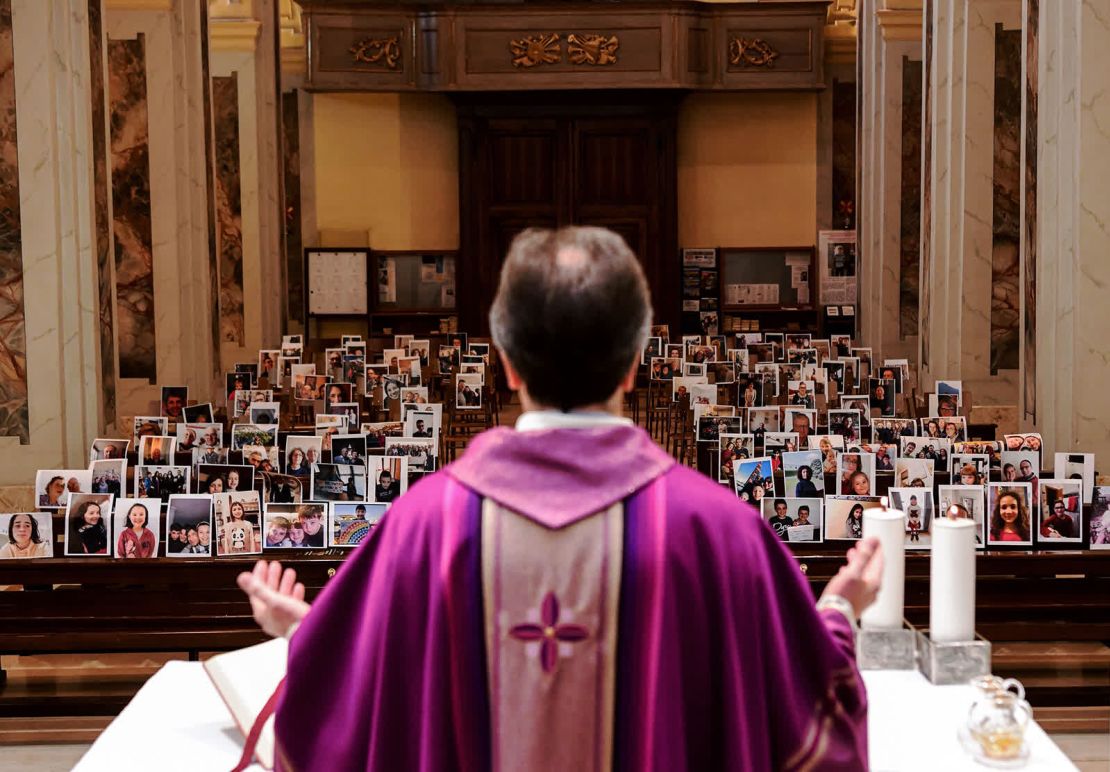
191,516
1060,514
106,449
1010,514
26,535
844,516
296,526
803,474
87,523
109,476
390,477
238,523
968,502
917,506
282,488
754,479
734,448
148,425
223,478
136,525
351,524
468,391
794,519
161,482
338,482
421,453
53,486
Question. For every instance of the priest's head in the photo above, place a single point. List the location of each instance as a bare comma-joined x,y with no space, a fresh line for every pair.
576,295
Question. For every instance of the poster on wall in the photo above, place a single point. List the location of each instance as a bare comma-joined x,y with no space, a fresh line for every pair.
336,281
838,263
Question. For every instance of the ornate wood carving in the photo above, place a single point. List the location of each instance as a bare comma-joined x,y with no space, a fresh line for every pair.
474,45
755,52
597,50
533,50
385,52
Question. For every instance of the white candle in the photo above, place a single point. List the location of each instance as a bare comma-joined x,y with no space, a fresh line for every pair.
889,526
952,581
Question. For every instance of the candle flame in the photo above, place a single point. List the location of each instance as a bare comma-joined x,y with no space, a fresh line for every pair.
953,513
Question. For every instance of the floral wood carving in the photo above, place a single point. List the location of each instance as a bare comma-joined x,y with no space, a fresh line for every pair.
597,50
381,51
532,50
755,52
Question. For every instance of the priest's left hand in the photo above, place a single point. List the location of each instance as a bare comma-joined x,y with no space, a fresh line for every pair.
277,598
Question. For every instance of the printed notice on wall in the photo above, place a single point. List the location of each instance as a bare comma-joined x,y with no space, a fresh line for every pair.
839,267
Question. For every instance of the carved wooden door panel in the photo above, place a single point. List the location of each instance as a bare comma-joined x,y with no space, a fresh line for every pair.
553,164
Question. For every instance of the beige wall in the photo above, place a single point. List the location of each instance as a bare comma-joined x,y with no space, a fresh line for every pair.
388,164
747,170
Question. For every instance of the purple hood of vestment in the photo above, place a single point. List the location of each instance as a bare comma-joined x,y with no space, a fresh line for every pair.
559,476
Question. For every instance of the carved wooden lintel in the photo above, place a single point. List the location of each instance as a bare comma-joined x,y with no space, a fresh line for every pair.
755,52
385,52
533,50
597,50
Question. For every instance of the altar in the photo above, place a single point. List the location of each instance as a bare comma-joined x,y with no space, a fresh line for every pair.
177,721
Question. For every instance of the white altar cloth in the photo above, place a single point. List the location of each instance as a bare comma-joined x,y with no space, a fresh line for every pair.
177,721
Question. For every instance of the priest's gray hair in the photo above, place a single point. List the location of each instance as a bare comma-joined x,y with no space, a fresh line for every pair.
572,313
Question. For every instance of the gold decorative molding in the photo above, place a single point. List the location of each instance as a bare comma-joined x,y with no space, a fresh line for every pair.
294,55
842,12
595,50
381,51
138,5
900,20
225,9
533,50
233,34
753,52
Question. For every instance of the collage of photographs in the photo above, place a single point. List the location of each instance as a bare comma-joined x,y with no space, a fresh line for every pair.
812,432
794,414
307,459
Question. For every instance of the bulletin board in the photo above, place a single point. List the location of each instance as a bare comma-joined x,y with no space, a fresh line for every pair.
771,277
337,281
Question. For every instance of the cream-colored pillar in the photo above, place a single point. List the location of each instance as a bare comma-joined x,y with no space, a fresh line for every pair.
243,47
1073,267
956,307
890,31
183,302
53,113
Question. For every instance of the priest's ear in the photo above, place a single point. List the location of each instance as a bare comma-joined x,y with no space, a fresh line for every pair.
512,377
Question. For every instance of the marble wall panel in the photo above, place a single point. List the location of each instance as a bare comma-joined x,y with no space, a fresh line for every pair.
131,209
229,206
102,236
929,14
1029,215
210,188
1006,271
844,154
13,335
291,149
910,239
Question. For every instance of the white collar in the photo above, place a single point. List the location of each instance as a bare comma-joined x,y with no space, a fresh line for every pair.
538,420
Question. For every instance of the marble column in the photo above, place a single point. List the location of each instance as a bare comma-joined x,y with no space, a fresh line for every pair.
249,200
164,41
1072,272
890,42
50,72
298,152
958,271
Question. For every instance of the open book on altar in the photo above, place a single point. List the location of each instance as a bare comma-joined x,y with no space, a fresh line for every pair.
246,679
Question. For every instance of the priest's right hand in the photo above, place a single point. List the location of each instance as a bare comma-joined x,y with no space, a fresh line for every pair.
277,598
858,581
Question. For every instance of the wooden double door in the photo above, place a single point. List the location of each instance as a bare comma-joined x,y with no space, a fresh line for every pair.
549,161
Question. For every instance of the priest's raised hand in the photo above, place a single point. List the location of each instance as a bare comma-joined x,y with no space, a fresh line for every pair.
277,598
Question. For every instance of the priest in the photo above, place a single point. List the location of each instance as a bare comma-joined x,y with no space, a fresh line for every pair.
566,596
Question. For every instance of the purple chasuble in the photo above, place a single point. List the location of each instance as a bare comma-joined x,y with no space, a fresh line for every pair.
571,597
